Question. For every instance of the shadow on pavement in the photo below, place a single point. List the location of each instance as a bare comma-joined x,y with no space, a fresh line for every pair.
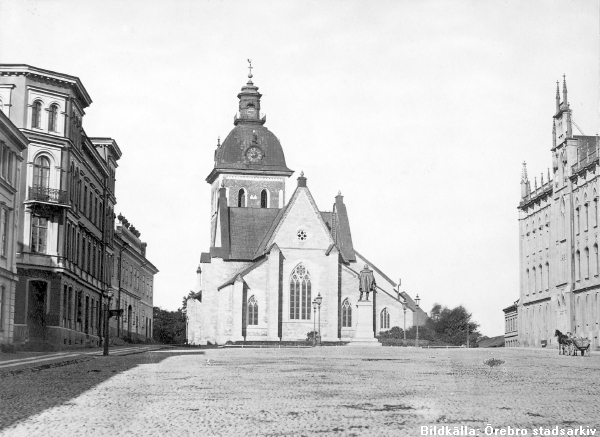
29,393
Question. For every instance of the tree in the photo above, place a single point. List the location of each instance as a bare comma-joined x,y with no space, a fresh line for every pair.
450,325
169,326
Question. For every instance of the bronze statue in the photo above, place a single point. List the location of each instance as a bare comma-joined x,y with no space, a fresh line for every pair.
367,282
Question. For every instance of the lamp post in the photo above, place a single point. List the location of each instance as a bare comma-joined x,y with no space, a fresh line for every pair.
314,339
319,299
417,300
109,295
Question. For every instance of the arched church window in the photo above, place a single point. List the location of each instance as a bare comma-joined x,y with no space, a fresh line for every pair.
300,293
241,198
252,311
263,199
384,319
346,314
36,115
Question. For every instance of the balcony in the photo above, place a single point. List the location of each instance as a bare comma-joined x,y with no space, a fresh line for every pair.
46,197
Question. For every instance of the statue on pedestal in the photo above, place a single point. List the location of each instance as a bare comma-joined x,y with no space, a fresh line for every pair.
366,282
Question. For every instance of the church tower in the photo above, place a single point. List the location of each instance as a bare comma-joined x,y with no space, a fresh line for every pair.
250,168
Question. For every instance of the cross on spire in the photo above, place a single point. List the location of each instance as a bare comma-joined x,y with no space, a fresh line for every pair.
250,68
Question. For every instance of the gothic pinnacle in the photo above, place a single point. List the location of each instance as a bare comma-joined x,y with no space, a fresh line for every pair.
524,172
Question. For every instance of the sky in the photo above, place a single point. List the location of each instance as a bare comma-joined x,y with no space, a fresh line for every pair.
420,112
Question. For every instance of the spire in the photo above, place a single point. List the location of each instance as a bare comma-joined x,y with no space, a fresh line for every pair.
565,102
524,172
557,98
535,183
542,179
524,181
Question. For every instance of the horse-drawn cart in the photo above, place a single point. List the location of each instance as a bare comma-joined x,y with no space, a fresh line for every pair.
568,345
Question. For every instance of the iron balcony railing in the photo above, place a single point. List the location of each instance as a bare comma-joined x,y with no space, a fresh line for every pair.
583,163
45,194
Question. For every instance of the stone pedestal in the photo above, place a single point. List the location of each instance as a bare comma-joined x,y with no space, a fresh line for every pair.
364,335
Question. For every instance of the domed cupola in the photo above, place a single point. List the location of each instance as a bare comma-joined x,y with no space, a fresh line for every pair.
250,148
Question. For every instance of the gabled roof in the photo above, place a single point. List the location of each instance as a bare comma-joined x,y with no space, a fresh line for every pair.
241,273
248,227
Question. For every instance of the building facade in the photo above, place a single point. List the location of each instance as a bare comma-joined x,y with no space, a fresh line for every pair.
268,260
12,145
132,285
558,231
511,325
66,219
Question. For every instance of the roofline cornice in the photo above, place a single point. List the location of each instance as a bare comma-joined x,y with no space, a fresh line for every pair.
214,174
26,70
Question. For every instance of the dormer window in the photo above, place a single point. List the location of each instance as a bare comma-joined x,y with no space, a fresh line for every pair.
36,115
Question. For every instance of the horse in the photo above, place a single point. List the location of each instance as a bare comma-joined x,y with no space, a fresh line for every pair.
562,342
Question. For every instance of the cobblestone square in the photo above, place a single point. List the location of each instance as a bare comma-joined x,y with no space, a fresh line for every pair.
321,391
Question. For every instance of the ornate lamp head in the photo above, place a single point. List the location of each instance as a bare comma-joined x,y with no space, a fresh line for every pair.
319,299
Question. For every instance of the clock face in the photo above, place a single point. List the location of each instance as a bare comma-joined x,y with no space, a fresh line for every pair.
254,154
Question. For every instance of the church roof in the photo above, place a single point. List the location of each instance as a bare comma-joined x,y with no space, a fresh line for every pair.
232,154
248,227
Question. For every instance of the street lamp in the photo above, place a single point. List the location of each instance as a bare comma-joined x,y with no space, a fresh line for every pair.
319,299
417,300
109,296
314,339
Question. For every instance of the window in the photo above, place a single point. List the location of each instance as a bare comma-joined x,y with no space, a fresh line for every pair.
346,314
300,293
10,170
252,311
577,217
534,280
1,307
547,276
596,260
585,214
39,231
64,306
527,282
36,115
53,118
586,267
5,155
241,198
41,172
85,196
4,232
384,319
264,199
577,266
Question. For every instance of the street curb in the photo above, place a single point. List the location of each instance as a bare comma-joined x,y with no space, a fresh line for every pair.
4,374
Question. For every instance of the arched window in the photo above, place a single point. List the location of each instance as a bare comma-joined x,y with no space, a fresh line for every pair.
252,311
346,314
586,266
563,222
577,216
1,306
36,115
547,276
540,284
300,293
264,199
41,172
53,118
577,266
527,282
384,319
595,209
533,280
595,261
585,213
241,198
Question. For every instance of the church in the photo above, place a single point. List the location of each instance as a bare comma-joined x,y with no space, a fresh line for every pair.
269,259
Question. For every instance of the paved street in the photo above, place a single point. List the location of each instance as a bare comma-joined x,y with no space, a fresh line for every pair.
325,391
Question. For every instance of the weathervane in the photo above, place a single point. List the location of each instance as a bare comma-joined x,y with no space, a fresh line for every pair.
250,68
